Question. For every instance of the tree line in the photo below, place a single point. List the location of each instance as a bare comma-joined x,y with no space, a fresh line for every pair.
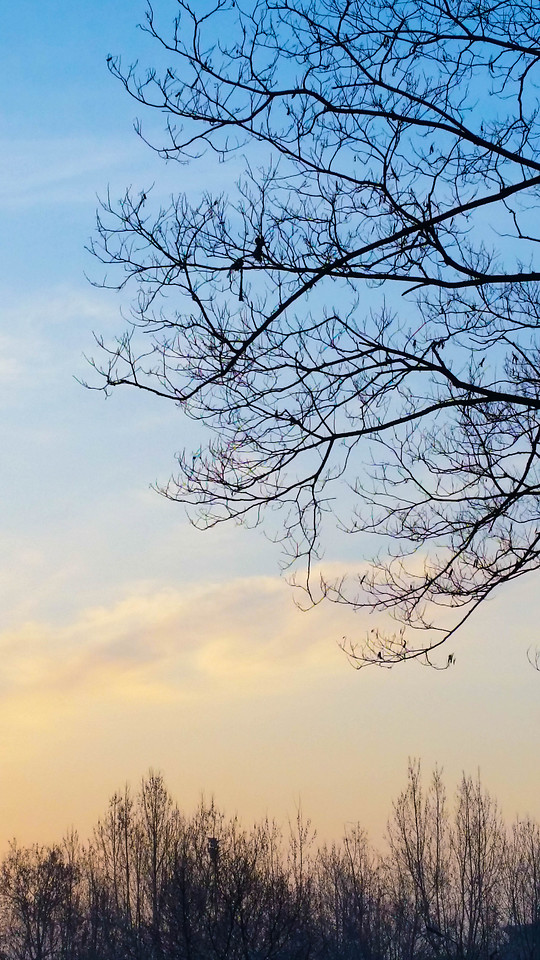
152,882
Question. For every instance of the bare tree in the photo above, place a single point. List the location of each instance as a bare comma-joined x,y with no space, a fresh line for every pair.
356,320
40,911
233,894
160,830
352,910
420,855
452,869
479,855
522,882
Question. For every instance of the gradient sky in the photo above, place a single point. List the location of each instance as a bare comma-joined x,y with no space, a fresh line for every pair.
129,640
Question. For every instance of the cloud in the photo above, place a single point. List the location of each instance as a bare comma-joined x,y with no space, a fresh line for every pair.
228,687
43,337
236,637
37,173
58,170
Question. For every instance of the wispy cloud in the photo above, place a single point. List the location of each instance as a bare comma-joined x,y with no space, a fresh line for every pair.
43,333
231,688
58,170
237,636
72,170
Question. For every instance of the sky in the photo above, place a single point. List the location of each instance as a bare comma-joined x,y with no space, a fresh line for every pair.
128,640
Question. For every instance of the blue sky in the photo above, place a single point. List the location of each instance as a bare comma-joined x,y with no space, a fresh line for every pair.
128,639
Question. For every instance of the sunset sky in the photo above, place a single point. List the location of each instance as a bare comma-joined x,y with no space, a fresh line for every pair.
128,639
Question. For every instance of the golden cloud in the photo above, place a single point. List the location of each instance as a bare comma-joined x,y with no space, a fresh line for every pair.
236,635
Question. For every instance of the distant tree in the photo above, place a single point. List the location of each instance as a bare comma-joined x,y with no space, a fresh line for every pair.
451,869
479,857
353,910
132,858
356,321
160,829
40,914
419,867
522,881
233,894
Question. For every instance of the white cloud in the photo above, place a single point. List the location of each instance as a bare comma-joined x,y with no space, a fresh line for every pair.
58,170
71,170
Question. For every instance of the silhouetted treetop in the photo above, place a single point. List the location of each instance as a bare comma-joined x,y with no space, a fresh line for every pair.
452,884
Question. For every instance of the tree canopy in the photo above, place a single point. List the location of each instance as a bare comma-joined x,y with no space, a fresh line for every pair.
356,318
